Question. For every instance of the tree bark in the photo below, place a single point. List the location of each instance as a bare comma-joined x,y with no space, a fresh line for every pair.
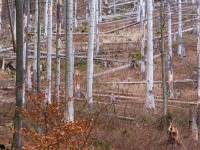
114,7
17,140
58,46
75,14
11,27
179,27
149,91
97,27
0,16
100,10
90,53
69,111
193,126
49,50
163,60
45,17
169,54
142,34
198,46
38,46
35,48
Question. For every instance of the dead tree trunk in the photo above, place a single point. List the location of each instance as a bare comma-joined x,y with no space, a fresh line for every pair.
193,126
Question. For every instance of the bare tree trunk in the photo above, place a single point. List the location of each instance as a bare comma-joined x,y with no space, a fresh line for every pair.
87,9
35,48
75,15
69,111
97,27
90,53
0,15
193,126
58,46
28,20
179,27
198,46
38,46
49,50
13,12
169,54
100,10
25,40
139,11
142,34
106,1
45,17
11,26
29,83
3,65
17,140
149,91
114,7
163,60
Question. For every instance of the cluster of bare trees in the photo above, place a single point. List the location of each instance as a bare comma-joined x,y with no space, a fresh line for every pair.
93,14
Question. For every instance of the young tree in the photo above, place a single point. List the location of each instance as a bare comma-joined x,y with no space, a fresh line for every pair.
198,58
49,50
17,142
90,53
38,46
100,10
142,35
35,48
69,111
75,14
45,17
179,27
163,59
97,27
169,53
87,9
114,7
58,46
149,90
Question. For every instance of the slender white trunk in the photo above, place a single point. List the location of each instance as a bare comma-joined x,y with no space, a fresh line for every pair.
75,15
90,53
0,15
29,83
35,48
87,9
114,7
25,40
45,17
69,112
179,27
49,51
198,46
169,54
58,46
149,90
3,64
139,10
100,10
106,1
97,27
142,34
